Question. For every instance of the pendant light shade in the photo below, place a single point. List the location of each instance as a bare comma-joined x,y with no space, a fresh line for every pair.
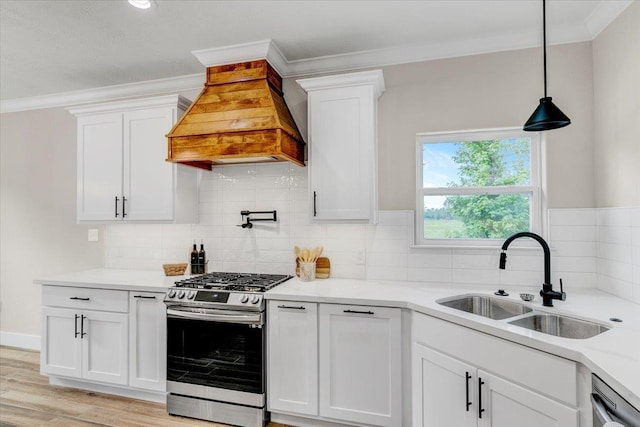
546,116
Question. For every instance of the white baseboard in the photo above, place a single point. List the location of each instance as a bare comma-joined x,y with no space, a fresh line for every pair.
152,396
26,341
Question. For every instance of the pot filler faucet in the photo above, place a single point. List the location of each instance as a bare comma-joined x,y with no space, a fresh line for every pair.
547,293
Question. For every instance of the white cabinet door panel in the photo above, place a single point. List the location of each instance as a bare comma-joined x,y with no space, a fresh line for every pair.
293,357
61,352
443,390
105,347
342,124
507,404
360,364
148,178
99,167
147,341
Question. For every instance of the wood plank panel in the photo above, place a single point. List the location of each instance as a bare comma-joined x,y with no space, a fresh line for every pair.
245,113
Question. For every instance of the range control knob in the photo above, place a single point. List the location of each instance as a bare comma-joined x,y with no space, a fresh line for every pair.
255,299
180,294
244,298
172,293
191,295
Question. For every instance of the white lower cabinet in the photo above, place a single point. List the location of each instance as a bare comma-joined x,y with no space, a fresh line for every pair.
87,344
105,337
293,357
334,362
361,364
147,341
452,391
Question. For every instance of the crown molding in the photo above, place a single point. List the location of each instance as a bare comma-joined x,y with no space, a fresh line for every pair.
131,104
106,93
244,52
374,78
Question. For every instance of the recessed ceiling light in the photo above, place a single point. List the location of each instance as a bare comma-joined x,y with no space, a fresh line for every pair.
141,4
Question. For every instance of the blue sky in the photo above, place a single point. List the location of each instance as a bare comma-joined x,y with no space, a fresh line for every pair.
438,169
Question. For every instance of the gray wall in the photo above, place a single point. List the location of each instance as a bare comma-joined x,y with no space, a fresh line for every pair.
616,65
479,92
39,234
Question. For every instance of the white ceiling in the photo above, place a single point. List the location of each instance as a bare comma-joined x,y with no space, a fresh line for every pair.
50,47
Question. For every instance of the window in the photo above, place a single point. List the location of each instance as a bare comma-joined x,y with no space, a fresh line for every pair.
476,186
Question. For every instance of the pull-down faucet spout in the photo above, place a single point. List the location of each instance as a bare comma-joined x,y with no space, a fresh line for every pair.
547,293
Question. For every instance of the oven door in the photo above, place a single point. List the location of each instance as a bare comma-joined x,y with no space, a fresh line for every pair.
216,354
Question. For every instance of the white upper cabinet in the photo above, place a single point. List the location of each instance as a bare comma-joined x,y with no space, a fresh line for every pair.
123,174
342,123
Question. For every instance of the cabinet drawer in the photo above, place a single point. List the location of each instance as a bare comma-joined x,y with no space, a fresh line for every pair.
534,369
85,298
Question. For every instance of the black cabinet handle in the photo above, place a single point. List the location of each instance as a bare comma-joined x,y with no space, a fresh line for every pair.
75,327
315,197
144,297
358,312
80,299
82,332
480,409
116,208
468,377
291,307
124,209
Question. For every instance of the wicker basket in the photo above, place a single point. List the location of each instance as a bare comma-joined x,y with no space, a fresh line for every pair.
174,269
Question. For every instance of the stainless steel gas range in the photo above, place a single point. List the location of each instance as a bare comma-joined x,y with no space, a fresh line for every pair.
216,342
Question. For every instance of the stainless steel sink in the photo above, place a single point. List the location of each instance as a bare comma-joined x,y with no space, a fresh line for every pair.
483,305
560,326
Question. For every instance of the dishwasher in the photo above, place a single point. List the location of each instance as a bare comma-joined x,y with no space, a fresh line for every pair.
609,409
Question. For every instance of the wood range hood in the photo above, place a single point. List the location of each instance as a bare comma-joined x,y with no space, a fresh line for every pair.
239,117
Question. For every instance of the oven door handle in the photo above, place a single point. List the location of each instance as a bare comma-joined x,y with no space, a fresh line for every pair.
245,319
600,410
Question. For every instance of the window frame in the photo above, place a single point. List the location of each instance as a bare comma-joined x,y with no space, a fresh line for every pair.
534,189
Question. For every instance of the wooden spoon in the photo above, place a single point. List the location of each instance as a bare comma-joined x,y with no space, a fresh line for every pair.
305,255
297,252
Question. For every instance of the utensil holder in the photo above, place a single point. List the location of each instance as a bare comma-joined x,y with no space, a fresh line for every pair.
307,271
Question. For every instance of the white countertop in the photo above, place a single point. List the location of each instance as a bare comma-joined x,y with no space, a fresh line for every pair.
107,278
614,356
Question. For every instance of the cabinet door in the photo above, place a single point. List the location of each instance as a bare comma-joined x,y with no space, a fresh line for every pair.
148,177
61,352
443,390
104,347
293,357
100,167
342,157
360,364
506,404
147,341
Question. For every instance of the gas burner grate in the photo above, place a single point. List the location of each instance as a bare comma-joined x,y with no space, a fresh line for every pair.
240,282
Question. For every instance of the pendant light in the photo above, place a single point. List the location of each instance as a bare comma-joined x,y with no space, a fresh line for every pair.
546,116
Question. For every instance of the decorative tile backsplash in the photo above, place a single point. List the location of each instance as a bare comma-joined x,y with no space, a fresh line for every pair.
590,247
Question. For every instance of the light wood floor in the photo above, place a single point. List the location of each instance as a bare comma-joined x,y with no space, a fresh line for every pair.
27,399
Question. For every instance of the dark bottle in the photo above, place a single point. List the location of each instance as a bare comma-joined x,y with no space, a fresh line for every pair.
194,260
202,259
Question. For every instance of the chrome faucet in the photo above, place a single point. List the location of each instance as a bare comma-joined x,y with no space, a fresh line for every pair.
547,293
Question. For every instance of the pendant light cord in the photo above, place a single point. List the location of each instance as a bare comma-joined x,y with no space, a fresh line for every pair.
544,44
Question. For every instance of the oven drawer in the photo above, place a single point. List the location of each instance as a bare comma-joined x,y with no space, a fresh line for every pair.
85,298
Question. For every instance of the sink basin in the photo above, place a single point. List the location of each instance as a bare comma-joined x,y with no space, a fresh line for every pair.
483,305
560,326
